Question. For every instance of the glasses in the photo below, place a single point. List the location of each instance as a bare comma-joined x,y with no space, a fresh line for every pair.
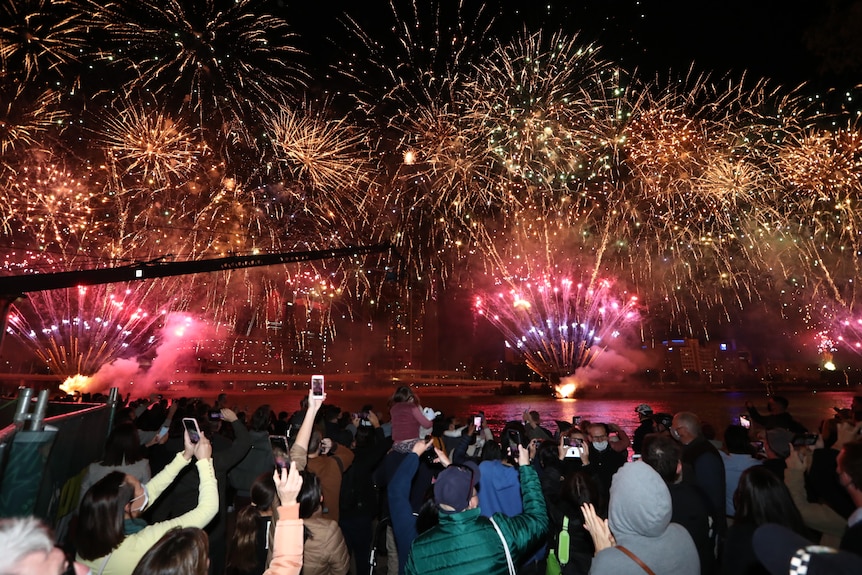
598,437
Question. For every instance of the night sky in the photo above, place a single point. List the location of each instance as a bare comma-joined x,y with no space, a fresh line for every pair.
790,41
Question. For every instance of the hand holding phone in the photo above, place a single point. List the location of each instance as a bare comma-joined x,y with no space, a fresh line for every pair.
190,424
745,421
477,423
317,386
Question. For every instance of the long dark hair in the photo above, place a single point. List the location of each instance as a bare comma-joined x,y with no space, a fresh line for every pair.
123,445
402,394
761,497
180,551
242,550
308,498
101,516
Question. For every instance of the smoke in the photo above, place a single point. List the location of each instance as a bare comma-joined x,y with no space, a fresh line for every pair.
181,341
615,366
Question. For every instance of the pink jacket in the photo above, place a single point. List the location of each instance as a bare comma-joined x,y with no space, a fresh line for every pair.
287,549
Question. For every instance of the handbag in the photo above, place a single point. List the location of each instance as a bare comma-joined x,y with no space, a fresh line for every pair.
558,559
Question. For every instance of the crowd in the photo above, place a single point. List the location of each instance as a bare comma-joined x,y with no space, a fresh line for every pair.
190,488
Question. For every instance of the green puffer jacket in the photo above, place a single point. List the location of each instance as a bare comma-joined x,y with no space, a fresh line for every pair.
466,543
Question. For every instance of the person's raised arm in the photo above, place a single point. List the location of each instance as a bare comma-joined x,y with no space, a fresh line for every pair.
287,550
299,450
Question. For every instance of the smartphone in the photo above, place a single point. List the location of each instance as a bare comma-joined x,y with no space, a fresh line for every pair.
477,422
567,441
613,436
280,450
636,456
576,420
190,424
575,451
757,446
805,439
317,386
163,431
215,414
514,442
744,421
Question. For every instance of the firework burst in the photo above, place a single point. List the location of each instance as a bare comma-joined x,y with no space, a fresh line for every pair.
558,324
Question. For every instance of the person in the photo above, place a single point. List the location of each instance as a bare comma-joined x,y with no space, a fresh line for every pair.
564,509
532,426
359,497
123,452
778,415
646,426
248,547
689,505
760,498
639,529
181,550
850,476
29,549
821,479
111,537
781,551
325,552
464,542
257,459
738,457
325,458
603,461
776,445
407,418
702,465
289,529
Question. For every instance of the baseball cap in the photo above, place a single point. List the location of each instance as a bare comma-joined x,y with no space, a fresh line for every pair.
454,486
643,409
779,441
784,552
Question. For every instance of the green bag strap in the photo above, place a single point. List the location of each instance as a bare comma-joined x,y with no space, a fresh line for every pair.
563,542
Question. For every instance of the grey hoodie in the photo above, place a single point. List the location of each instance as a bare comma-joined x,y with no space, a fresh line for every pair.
639,518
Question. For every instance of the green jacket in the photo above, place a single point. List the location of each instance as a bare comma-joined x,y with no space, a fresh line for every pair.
467,544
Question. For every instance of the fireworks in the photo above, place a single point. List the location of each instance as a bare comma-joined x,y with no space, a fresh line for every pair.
557,324
79,330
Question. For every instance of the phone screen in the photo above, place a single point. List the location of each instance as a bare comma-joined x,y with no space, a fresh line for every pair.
191,426
514,442
744,421
477,422
280,451
317,385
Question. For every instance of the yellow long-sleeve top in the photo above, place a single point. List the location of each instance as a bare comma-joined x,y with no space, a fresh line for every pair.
123,559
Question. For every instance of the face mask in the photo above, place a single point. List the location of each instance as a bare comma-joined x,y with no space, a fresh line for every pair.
144,504
600,445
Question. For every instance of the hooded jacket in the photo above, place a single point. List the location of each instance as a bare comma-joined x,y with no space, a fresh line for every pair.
639,518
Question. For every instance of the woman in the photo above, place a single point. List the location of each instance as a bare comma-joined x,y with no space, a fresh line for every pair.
407,417
251,537
112,538
325,551
123,452
760,498
182,550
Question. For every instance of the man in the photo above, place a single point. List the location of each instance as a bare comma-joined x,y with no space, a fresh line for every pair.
850,476
604,461
778,415
464,542
532,427
702,464
28,549
647,426
689,506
